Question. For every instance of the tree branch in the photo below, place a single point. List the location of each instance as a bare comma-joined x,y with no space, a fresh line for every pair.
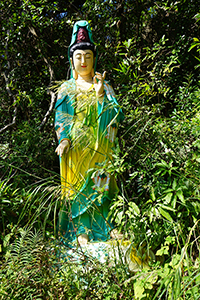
51,72
15,110
53,96
51,107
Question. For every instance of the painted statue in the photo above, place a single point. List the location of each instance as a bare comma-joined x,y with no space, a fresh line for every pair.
86,122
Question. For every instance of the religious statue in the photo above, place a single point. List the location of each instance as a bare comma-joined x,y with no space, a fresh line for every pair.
86,123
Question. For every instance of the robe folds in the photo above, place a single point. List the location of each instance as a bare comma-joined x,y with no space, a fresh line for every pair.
87,186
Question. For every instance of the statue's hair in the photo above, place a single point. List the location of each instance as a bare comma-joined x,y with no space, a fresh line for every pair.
82,46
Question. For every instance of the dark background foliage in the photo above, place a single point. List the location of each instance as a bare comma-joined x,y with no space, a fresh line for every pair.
150,50
143,46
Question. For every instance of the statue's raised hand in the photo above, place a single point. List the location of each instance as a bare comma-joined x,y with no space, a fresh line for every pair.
98,83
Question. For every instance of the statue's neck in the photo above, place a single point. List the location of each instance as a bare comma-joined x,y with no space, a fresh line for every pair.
85,78
84,82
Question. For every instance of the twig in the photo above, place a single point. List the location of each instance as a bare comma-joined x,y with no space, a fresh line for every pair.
15,110
51,107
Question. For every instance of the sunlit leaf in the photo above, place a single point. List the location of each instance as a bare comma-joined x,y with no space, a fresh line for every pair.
165,214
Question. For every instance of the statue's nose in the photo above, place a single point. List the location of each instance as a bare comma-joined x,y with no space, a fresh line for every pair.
83,59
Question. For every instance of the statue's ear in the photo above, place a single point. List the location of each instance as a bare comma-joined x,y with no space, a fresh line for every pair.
75,74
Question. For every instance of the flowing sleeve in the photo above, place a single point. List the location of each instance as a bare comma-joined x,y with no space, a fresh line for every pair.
110,115
64,112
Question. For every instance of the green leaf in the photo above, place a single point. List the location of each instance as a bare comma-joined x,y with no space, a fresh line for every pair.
153,197
138,289
167,207
162,164
174,184
134,208
165,214
168,197
192,46
179,194
168,191
163,250
6,201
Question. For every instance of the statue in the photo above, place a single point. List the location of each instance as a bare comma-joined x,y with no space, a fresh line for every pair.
86,122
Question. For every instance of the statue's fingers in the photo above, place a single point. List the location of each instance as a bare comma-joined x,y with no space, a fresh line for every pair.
95,79
99,77
61,152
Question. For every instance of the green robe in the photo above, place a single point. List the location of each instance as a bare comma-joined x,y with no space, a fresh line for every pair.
87,187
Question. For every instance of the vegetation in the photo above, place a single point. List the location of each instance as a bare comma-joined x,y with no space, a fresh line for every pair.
150,50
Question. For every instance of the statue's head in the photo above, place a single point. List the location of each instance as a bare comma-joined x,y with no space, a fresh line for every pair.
82,42
82,46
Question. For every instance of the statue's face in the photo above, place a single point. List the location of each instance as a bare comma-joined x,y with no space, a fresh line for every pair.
83,61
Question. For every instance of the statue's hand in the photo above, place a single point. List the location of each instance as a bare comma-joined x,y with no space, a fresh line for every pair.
63,147
98,84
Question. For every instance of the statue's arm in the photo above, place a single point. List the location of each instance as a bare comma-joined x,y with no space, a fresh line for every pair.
109,105
62,125
110,114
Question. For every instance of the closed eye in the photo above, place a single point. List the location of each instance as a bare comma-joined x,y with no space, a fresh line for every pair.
78,56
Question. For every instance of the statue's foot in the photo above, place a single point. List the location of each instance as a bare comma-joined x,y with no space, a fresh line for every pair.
83,239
